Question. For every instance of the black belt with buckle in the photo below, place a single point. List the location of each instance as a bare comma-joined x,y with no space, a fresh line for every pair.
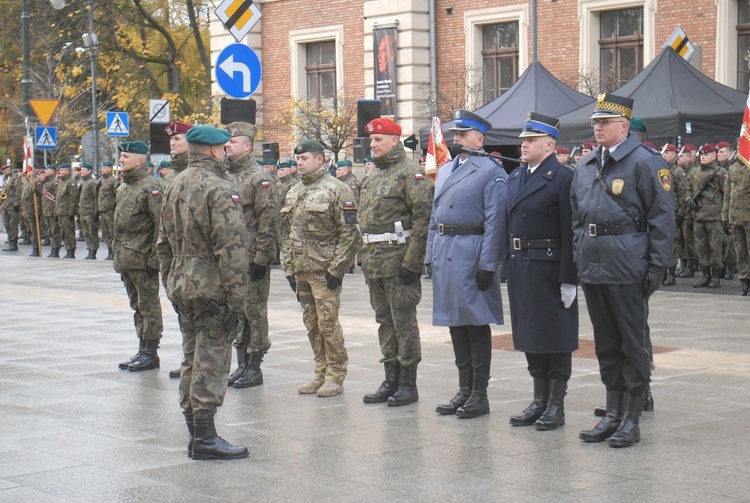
610,230
457,230
544,244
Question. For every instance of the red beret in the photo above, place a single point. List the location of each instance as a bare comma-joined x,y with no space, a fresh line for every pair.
707,149
689,147
383,125
649,144
723,144
588,145
562,150
177,128
670,148
5,167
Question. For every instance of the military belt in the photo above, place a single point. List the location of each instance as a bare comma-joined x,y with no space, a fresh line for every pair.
458,230
611,230
544,244
388,237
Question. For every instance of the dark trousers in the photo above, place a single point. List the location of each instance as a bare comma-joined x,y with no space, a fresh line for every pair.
618,314
472,345
555,366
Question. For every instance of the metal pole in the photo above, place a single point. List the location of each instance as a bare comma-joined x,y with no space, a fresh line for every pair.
26,82
94,106
533,30
433,62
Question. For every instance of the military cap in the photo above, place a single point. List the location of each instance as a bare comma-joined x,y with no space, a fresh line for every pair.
107,163
540,125
308,145
383,125
149,164
5,167
723,144
165,164
133,147
463,120
637,124
562,150
63,165
670,148
292,162
649,144
177,128
367,159
343,164
50,166
207,135
588,145
86,165
612,106
707,148
285,164
242,129
689,147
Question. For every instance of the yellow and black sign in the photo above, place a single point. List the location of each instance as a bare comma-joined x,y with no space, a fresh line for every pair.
238,16
678,41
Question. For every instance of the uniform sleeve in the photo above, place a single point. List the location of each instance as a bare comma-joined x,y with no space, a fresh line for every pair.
568,270
726,189
419,203
495,220
230,245
153,207
345,213
285,222
659,213
164,251
266,212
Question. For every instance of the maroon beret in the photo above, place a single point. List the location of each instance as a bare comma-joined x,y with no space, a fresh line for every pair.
177,128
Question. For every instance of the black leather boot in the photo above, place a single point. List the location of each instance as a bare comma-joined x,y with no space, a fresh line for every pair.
745,288
208,445
465,384
690,269
629,431
34,252
729,272
125,365
25,240
648,400
407,388
175,374
535,410
680,268
554,414
702,283
191,431
45,241
110,254
91,255
477,404
387,387
253,376
71,253
669,280
241,364
12,246
149,358
610,422
54,253
714,281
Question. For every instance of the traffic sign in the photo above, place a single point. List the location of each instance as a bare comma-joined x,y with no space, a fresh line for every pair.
238,16
158,111
46,138
238,71
117,124
44,109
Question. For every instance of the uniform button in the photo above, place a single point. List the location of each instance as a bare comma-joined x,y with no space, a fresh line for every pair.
512,256
451,206
449,259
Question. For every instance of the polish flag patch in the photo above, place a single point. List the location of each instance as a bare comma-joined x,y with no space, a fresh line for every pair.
265,183
418,176
155,193
235,198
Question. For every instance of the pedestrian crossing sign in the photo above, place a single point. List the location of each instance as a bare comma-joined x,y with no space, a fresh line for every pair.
117,124
46,138
238,16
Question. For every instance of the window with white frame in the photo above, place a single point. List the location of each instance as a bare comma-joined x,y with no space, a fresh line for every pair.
743,46
499,58
621,47
321,71
317,62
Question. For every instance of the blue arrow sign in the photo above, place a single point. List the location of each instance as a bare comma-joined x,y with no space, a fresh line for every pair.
46,138
117,124
238,71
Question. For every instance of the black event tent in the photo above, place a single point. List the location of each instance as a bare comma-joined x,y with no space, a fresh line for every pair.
675,100
535,90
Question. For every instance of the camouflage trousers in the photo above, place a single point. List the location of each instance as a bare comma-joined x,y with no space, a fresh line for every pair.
320,313
689,239
31,230
107,222
68,230
90,230
741,237
395,308
709,243
252,331
143,291
53,231
206,358
730,254
10,220
678,250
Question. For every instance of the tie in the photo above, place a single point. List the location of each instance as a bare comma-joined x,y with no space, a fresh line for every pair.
605,157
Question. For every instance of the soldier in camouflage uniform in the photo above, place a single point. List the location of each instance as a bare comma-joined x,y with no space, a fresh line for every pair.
270,166
678,189
736,215
319,242
287,177
344,173
135,230
724,158
107,198
260,208
49,189
87,210
204,251
66,207
31,209
164,170
395,205
709,236
687,253
10,206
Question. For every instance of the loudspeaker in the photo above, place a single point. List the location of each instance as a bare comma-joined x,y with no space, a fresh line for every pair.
361,148
159,140
367,110
270,151
237,110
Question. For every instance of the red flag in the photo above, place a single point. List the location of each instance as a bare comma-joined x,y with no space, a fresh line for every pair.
743,149
28,154
437,150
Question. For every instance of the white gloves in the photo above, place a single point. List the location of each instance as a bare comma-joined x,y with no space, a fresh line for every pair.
568,294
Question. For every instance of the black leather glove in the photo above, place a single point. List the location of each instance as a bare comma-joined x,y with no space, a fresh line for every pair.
484,279
406,276
257,271
725,226
679,219
292,283
651,283
333,281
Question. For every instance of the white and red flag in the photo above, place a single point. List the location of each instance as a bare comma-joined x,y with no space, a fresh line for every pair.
437,150
743,149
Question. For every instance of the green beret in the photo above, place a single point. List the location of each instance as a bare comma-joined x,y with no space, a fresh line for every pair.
86,165
107,164
308,145
133,147
367,159
344,163
242,129
63,165
165,164
50,166
207,135
149,164
285,164
637,124
293,162
267,162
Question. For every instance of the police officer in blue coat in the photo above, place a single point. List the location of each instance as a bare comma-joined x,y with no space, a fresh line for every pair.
623,223
542,276
466,229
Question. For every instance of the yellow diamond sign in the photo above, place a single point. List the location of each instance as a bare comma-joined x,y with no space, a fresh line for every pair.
44,109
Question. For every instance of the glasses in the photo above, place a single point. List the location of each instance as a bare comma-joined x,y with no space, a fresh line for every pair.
604,122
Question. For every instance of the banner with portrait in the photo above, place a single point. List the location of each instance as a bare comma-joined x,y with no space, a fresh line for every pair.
384,50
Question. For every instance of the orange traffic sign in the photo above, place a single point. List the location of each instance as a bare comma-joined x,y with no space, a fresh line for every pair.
44,109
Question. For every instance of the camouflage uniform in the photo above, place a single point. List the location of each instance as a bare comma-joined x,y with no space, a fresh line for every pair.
49,191
11,206
729,254
320,238
87,213
135,230
679,190
66,207
106,205
709,236
31,188
395,192
353,184
203,251
736,211
260,208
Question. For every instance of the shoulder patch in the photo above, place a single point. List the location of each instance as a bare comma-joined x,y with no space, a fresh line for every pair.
349,204
418,176
155,193
265,183
665,179
499,179
236,198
